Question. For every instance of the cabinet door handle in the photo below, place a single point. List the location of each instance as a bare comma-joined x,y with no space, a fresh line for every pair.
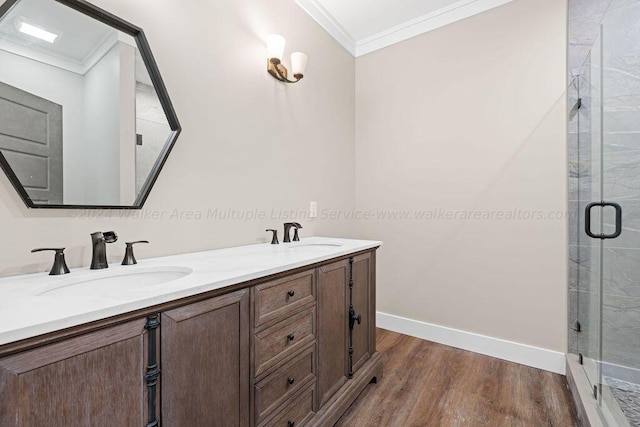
290,337
291,293
353,318
290,380
291,423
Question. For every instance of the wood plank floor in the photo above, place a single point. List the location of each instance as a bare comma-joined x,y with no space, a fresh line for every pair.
429,384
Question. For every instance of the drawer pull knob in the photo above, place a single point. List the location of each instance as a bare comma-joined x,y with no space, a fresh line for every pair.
291,293
290,337
291,423
290,380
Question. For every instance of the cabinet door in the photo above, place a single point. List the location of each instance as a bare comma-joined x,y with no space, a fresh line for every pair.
205,363
96,379
364,304
332,306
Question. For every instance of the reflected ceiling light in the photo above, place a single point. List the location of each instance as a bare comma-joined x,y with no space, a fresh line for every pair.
36,32
275,49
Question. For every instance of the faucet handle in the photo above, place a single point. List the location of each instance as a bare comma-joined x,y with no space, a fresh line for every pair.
129,258
296,227
59,265
274,239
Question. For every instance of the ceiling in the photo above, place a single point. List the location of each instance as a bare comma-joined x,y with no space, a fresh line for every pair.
82,41
79,37
363,26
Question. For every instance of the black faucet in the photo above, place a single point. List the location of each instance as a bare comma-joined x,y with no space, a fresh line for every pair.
287,231
98,242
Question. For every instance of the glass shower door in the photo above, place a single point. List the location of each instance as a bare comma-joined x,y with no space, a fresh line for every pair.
585,187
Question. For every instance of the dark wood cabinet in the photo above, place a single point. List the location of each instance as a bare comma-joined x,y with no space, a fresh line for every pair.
364,306
286,382
294,348
347,357
96,379
205,363
333,342
344,338
284,349
279,298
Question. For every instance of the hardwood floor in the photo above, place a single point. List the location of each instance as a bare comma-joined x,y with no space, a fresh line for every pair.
429,384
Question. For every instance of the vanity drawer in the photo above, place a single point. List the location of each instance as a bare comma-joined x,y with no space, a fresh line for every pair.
297,413
275,299
276,343
279,386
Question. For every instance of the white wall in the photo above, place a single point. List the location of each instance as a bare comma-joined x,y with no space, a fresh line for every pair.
109,117
470,118
127,137
102,131
250,144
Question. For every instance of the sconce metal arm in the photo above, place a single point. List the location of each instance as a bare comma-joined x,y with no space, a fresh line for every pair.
275,69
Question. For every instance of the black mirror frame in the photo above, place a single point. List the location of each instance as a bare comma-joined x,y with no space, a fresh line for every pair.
154,73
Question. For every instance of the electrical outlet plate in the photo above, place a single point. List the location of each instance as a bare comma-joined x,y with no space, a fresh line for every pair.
313,209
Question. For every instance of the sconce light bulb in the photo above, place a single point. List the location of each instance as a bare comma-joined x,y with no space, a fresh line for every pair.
298,64
275,46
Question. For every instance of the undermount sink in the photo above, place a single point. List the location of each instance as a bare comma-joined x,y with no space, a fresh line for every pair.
119,280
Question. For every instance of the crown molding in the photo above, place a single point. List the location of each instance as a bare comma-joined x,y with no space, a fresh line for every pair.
329,23
420,25
425,23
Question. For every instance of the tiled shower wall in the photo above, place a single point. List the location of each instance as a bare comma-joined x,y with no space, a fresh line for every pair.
614,150
584,20
621,182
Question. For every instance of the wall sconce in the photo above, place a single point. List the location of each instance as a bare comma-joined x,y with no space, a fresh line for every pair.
275,49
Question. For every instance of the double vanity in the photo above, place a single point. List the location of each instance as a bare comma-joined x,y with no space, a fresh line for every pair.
260,335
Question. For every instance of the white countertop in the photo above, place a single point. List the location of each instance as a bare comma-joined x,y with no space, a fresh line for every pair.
35,304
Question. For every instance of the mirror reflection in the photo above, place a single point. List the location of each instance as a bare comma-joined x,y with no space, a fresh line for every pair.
81,122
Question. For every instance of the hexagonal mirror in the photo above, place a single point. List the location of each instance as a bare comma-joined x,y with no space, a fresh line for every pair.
85,119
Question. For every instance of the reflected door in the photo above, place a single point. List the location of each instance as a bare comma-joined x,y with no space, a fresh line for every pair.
31,141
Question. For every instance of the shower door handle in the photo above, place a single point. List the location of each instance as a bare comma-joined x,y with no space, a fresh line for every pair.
587,220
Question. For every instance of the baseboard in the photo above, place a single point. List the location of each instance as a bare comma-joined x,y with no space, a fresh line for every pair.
523,354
